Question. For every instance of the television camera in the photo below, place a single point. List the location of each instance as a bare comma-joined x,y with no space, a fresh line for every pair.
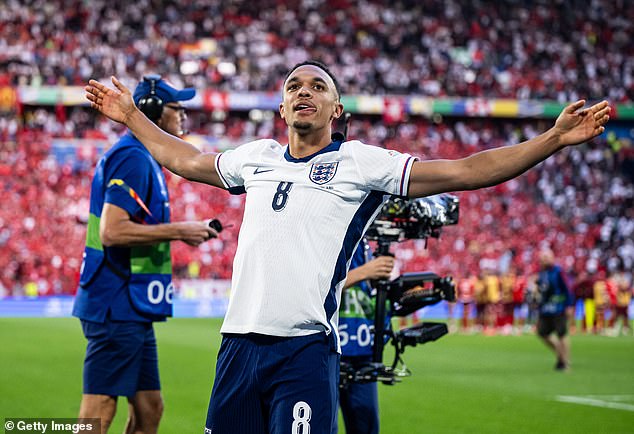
402,219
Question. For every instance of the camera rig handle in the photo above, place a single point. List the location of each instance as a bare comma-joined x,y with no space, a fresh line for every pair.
382,287
406,295
401,219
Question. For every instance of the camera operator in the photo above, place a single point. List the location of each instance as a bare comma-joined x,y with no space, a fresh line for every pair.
359,401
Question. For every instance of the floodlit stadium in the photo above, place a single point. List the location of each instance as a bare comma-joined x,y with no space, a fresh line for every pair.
432,79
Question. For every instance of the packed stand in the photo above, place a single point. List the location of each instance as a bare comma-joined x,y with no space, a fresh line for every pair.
506,49
43,231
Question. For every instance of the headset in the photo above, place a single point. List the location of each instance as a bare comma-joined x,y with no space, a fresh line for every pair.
151,105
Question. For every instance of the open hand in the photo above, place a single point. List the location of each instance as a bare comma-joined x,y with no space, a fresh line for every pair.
578,127
117,104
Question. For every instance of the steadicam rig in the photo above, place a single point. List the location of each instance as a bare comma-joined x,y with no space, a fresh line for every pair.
401,219
409,219
412,291
406,294
376,371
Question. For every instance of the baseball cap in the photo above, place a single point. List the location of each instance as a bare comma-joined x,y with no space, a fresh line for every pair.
162,89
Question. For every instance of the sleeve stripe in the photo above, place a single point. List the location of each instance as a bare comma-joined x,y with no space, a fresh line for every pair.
405,176
222,178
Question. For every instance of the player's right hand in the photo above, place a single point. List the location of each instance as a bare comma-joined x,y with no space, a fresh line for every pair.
380,268
196,233
117,104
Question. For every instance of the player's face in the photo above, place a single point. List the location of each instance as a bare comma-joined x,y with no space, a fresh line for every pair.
173,119
309,100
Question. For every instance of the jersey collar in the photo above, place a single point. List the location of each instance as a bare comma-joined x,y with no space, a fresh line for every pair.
332,147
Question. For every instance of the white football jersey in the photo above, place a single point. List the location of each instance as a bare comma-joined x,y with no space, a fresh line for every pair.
303,219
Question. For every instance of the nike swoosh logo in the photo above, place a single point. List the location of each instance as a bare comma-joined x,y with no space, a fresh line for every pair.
258,170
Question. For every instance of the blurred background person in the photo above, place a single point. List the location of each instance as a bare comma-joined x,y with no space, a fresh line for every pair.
555,307
623,300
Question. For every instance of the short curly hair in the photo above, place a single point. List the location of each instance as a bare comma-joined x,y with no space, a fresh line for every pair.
321,66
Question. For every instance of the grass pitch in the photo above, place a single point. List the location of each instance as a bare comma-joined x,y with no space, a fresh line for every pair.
460,384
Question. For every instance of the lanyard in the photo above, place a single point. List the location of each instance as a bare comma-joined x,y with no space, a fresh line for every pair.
134,196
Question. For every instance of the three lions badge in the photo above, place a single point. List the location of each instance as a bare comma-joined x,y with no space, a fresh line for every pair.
321,173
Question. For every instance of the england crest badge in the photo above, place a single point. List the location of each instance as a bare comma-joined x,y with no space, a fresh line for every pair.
321,173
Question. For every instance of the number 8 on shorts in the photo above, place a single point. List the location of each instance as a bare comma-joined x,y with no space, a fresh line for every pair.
301,418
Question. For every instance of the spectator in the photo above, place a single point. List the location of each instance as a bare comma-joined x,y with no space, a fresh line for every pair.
503,49
623,300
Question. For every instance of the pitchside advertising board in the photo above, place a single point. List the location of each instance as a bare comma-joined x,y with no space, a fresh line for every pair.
198,298
193,298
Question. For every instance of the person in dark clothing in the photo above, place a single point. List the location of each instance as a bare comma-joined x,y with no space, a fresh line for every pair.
555,308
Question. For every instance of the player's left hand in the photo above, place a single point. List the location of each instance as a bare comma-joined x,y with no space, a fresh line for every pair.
576,127
117,104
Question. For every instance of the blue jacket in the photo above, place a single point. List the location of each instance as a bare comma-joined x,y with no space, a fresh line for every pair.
555,295
126,283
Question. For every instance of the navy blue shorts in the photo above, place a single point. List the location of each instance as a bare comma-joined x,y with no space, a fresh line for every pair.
268,384
121,358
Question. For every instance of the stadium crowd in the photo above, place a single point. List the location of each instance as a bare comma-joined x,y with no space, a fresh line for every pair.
43,204
555,50
568,202
580,202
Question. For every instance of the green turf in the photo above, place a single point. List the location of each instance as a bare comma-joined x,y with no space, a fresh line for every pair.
461,384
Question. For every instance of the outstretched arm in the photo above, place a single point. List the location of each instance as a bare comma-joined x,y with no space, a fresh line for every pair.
177,155
494,166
